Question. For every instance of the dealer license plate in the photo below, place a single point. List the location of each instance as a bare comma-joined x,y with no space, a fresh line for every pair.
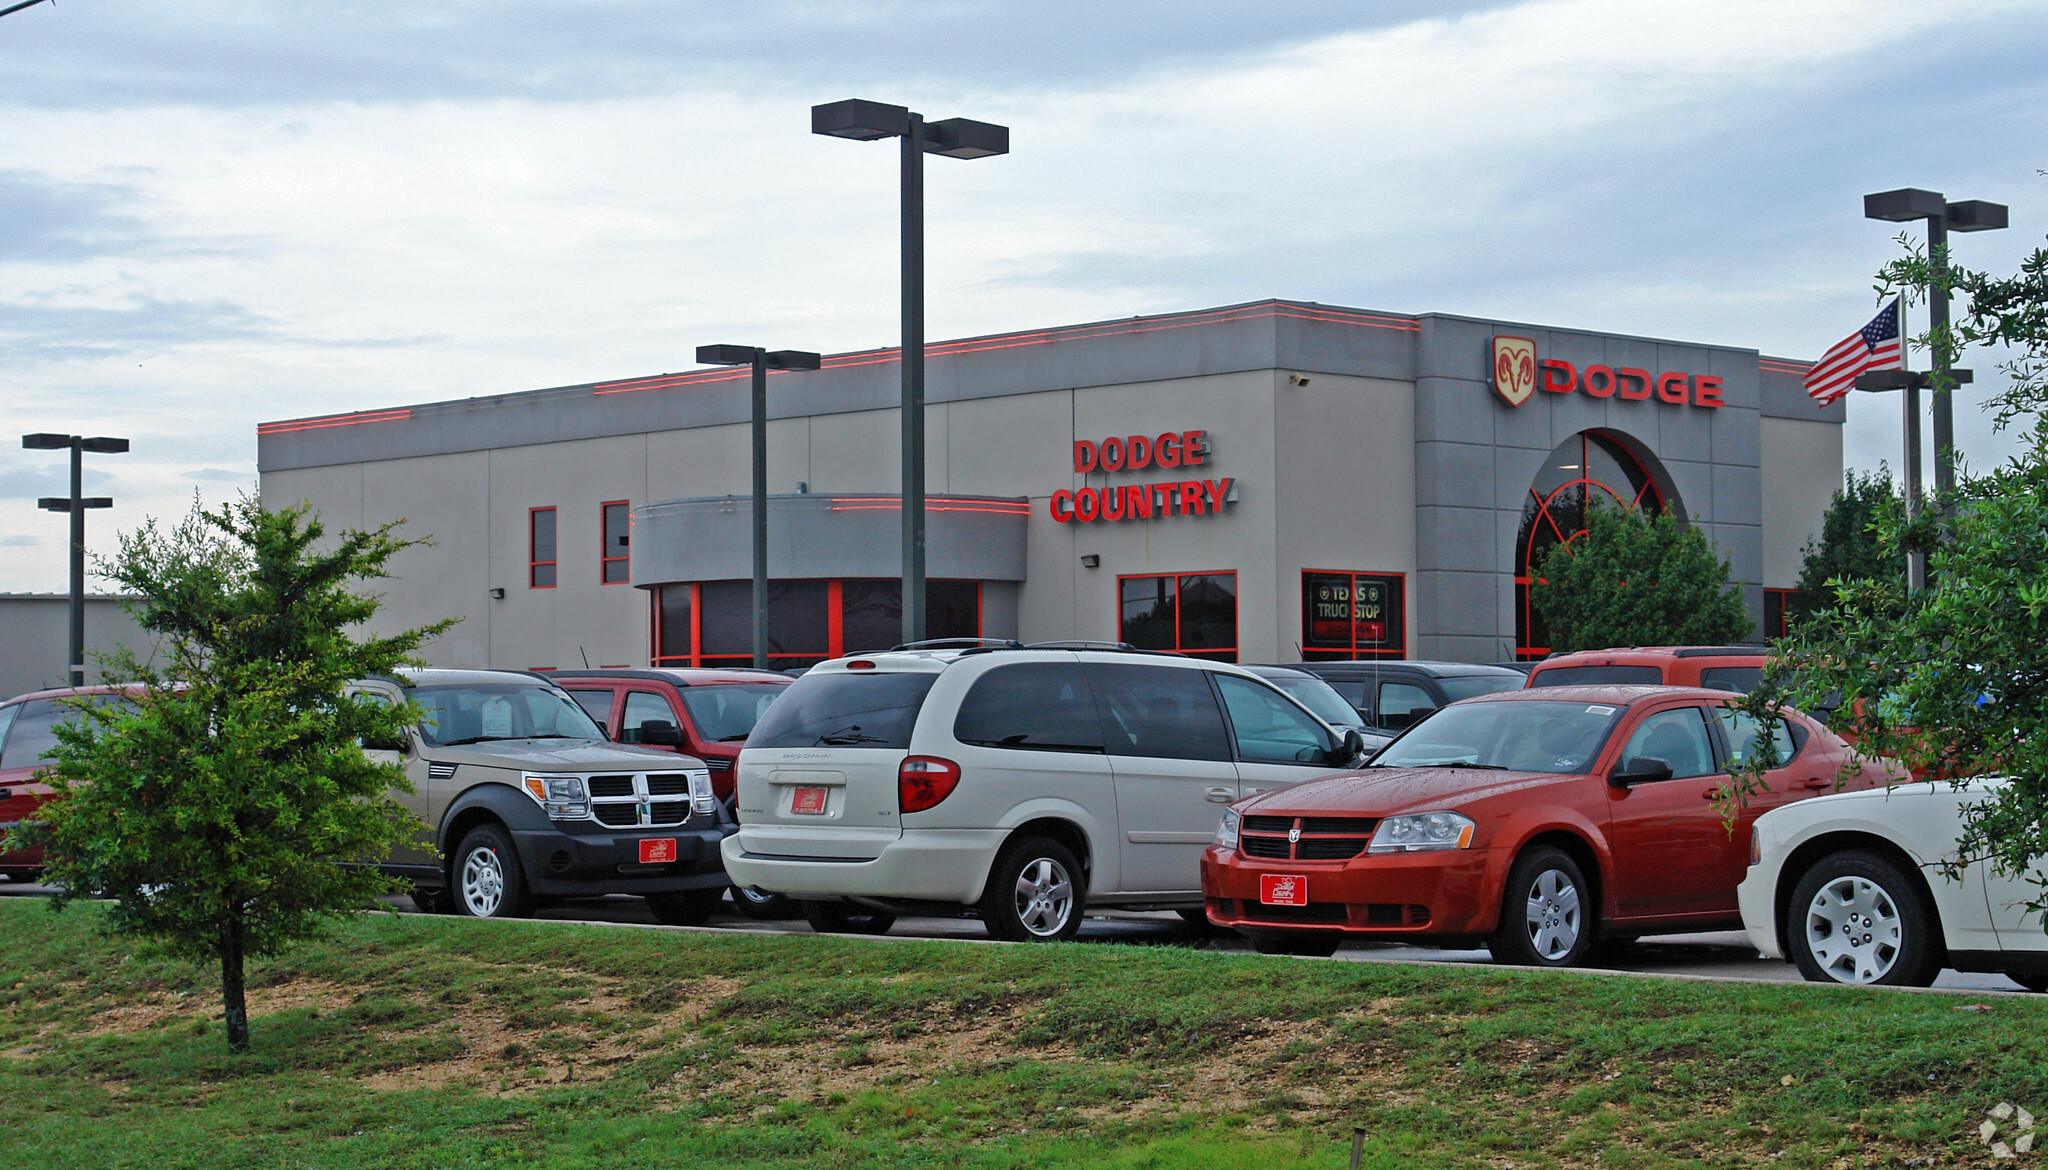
808,802
657,850
1283,889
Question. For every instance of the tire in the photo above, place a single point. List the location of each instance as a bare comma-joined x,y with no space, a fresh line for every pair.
434,901
2035,981
846,918
1035,893
1546,913
487,881
687,908
1313,946
1858,918
763,906
1198,920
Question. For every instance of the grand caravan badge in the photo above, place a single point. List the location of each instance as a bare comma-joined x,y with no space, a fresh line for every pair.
1514,369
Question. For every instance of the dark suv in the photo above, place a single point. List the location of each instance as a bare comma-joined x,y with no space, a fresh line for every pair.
1392,695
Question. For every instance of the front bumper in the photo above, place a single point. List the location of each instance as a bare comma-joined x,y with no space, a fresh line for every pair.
1757,896
922,865
560,864
1443,894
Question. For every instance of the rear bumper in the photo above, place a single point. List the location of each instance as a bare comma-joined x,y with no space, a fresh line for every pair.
925,865
1395,895
562,864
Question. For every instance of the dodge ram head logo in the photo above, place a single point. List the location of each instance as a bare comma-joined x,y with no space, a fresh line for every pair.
1514,369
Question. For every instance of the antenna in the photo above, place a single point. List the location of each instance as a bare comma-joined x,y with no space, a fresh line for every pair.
586,658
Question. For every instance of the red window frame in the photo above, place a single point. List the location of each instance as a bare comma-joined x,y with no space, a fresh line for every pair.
1214,653
605,559
533,561
1785,606
1390,651
835,619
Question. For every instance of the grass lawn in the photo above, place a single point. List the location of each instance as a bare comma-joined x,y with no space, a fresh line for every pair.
424,1042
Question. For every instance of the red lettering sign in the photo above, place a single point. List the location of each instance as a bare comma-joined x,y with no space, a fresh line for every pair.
1674,388
1598,382
1112,454
1084,457
1138,453
1640,378
1706,391
1166,450
1557,376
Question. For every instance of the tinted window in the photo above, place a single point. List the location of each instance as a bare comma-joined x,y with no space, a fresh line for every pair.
597,703
480,712
642,708
1572,676
1044,705
728,714
34,734
864,709
1321,698
1740,679
1158,711
1745,740
1267,727
1525,737
1402,704
1679,738
1466,686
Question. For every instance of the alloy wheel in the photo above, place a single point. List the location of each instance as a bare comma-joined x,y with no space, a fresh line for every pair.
483,882
1045,897
1854,930
1553,915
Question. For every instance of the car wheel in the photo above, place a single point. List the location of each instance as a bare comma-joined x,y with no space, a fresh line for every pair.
762,905
488,881
846,918
1546,913
1314,946
1035,893
2031,980
1199,921
687,908
430,901
1858,918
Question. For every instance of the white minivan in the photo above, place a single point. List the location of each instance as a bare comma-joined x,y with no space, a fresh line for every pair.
1022,783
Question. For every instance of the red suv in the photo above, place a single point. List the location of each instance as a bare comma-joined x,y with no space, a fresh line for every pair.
27,732
1717,668
702,713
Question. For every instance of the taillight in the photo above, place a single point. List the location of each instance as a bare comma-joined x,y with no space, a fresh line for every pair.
923,781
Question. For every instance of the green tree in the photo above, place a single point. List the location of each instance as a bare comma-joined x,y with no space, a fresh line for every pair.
1636,580
213,810
1849,547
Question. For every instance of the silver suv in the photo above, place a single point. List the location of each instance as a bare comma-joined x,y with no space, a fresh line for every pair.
522,798
1020,783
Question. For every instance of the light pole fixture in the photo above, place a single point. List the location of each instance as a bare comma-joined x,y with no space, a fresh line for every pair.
762,361
865,121
1943,217
76,504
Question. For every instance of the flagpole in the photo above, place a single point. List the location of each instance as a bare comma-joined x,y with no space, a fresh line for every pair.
1916,561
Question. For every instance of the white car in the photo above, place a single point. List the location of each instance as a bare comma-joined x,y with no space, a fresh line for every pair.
1850,888
1020,783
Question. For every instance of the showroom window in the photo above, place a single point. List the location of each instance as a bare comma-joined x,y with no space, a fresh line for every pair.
1781,609
711,623
613,567
1353,615
1590,469
1194,613
540,548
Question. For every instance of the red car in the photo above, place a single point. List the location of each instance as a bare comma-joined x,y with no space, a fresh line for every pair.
1537,821
27,724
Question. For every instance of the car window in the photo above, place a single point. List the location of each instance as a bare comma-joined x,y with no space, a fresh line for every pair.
1678,737
1740,679
6,720
867,709
1269,728
728,714
642,708
1572,676
1745,740
597,704
1403,703
1467,685
1158,711
1321,698
1046,706
33,735
1539,736
480,712
1353,690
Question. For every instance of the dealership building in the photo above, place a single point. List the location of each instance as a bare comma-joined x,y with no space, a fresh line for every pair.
1264,482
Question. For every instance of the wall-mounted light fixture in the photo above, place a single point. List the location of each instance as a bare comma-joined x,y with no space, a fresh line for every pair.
1297,379
1091,561
498,593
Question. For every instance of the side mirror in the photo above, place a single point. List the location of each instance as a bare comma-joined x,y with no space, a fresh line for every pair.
661,733
1641,770
1353,747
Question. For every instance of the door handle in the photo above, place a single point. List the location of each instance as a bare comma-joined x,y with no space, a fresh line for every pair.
1222,795
1817,782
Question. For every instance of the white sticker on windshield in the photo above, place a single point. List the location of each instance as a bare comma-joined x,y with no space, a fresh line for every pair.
497,718
1597,709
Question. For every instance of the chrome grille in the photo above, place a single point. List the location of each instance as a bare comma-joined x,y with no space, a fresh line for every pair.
624,801
611,786
717,764
673,784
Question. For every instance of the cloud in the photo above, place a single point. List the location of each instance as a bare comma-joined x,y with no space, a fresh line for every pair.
18,542
45,221
31,483
137,324
218,475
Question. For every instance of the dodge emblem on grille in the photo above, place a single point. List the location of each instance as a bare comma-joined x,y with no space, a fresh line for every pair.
1294,835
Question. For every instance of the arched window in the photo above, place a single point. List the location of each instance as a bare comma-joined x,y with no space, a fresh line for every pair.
1581,469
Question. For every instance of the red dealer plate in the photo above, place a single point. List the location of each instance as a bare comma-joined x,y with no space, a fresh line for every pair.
807,802
657,850
1283,889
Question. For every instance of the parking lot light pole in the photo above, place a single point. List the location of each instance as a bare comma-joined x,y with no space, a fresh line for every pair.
865,121
76,504
762,361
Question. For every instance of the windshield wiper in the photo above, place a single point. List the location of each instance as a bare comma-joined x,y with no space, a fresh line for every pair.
734,738
848,738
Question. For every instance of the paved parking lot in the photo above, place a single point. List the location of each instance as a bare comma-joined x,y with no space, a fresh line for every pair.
1726,955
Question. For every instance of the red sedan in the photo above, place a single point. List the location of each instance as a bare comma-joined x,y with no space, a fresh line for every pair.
1537,821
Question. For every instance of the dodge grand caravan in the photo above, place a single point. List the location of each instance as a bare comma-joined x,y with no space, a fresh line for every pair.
1021,783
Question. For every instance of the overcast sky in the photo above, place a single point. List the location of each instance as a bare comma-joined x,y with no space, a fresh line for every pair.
217,212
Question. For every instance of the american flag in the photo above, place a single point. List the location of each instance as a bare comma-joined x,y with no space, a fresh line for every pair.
1873,347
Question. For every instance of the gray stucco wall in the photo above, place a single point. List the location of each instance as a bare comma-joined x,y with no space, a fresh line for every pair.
35,637
835,535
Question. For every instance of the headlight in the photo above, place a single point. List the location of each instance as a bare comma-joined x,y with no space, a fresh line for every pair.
701,797
1226,832
1420,832
1756,847
562,796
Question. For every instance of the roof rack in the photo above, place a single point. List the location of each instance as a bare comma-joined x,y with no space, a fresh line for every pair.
961,644
1718,651
1080,644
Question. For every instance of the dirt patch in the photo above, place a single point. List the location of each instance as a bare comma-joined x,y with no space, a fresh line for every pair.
158,1008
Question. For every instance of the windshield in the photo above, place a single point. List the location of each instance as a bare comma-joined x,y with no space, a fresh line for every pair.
1321,698
1612,674
1465,686
481,712
33,735
728,714
1523,737
869,710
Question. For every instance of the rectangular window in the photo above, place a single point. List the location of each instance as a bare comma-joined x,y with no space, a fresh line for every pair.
614,566
1194,613
672,629
1781,610
712,623
540,548
1348,615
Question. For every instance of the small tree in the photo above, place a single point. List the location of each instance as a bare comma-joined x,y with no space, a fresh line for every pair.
215,809
1851,547
1636,580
